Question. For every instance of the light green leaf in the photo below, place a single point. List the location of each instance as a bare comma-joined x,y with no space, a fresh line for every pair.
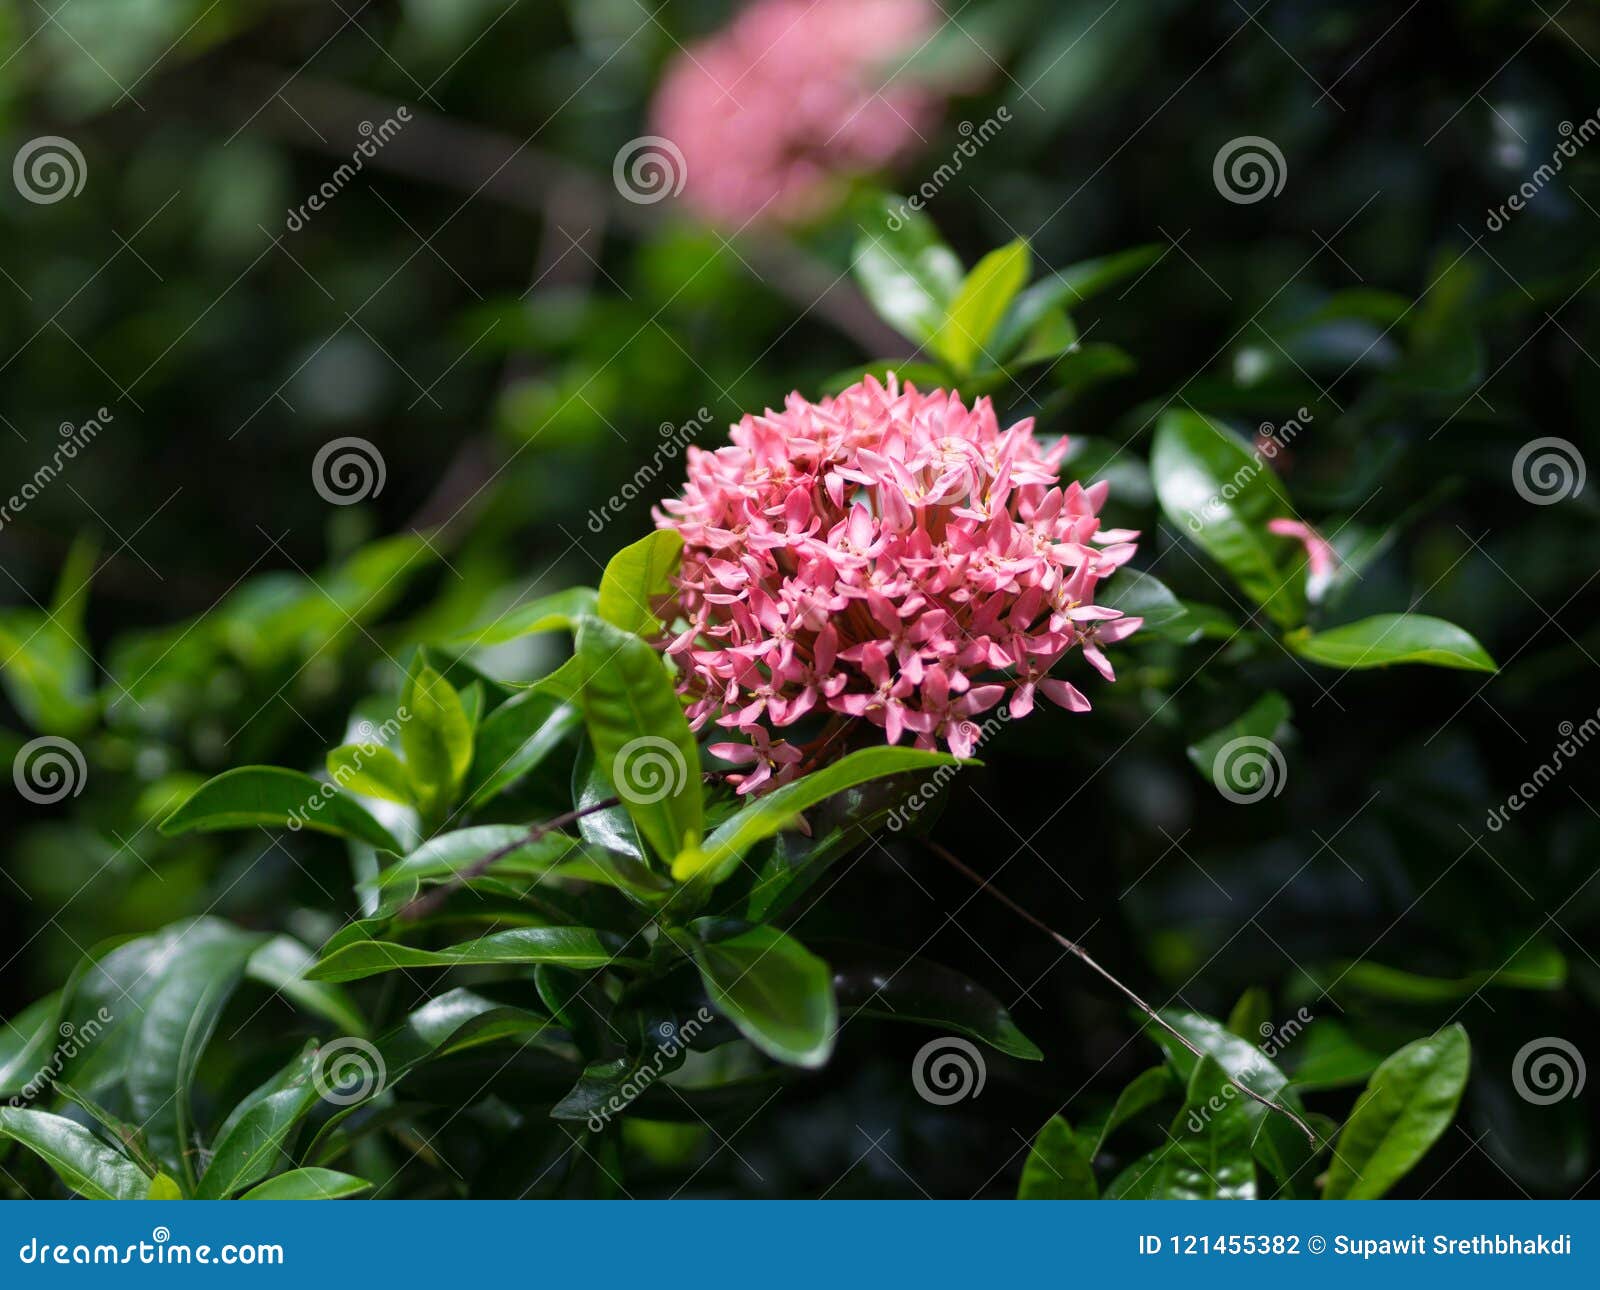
164,1187
574,947
514,739
86,1165
778,993
727,846
309,1184
436,736
1409,1101
1208,1156
1392,638
980,303
1059,1167
269,796
1220,495
370,770
635,578
642,742
906,271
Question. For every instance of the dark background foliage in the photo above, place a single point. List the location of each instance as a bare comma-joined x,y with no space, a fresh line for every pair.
483,306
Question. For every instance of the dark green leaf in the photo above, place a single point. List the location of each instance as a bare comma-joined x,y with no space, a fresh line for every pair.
575,947
269,796
87,1166
775,991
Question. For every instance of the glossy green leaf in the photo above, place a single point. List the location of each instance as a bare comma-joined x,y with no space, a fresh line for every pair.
642,742
252,1141
370,770
1220,495
1393,638
309,1184
87,1166
778,993
190,988
574,947
1208,1155
1243,759
436,736
909,274
26,1040
1139,595
980,303
1060,1166
514,739
269,796
728,845
1408,1103
635,578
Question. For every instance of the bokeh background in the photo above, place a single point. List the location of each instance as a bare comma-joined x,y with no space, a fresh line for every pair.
486,307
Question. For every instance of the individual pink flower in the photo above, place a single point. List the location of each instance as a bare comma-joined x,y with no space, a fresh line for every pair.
772,111
1321,559
885,555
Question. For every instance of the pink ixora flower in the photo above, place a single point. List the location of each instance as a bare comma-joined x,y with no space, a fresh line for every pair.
885,555
769,112
1321,558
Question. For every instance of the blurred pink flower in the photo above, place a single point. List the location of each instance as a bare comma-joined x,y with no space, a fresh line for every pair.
1321,559
886,555
771,111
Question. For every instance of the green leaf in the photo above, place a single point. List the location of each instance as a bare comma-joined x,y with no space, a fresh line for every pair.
1251,1018
871,983
283,962
514,739
164,1187
44,657
252,1142
574,947
642,743
268,796
1243,759
1138,595
778,993
26,1041
1208,1155
555,613
980,303
1065,290
1086,366
86,1165
1059,1167
309,1184
1408,1103
1220,495
1393,638
129,1138
436,736
447,854
370,770
191,986
1052,336
1143,1091
1328,1055
727,846
906,271
635,578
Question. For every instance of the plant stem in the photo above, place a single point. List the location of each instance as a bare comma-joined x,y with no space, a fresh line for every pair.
1073,947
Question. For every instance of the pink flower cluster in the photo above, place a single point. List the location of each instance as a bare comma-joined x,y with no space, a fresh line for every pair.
769,111
888,555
